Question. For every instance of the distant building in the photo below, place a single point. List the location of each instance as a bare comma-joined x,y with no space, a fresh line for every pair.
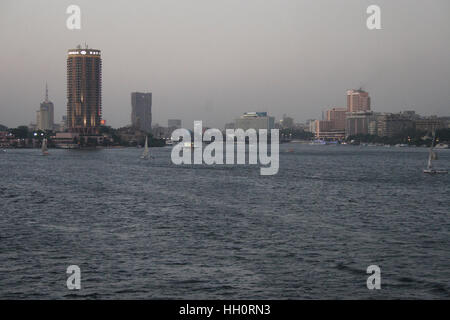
38,119
84,91
322,129
358,123
332,127
311,125
161,132
445,122
65,140
337,117
141,111
410,114
325,130
301,126
358,100
63,124
255,120
229,125
32,127
43,118
358,115
429,124
5,138
287,122
45,114
3,128
391,124
174,123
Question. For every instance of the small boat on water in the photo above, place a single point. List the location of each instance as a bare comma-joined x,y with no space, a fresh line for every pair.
146,152
433,156
441,146
318,142
44,148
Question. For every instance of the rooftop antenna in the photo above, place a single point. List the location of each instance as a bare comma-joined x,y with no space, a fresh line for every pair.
46,92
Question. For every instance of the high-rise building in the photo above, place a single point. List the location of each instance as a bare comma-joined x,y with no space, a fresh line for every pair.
84,90
45,114
38,119
358,100
141,111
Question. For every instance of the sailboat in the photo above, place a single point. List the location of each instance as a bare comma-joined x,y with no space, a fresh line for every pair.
44,148
145,154
433,156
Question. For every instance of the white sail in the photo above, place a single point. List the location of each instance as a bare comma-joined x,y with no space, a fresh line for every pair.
44,147
434,155
430,165
146,150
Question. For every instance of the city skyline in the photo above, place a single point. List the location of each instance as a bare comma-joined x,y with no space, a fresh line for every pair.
224,158
208,71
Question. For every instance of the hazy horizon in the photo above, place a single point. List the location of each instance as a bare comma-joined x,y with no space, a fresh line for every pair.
213,60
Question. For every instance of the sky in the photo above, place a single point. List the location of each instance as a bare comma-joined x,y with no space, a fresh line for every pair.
213,60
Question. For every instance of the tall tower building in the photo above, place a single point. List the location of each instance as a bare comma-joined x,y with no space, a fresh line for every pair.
141,111
45,115
358,100
84,90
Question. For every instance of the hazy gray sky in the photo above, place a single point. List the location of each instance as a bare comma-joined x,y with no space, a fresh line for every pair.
212,60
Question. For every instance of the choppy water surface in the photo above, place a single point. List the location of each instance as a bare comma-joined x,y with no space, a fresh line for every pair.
150,229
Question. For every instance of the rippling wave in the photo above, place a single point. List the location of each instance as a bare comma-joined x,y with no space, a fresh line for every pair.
152,230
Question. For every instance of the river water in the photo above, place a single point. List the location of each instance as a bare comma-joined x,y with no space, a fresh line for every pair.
153,230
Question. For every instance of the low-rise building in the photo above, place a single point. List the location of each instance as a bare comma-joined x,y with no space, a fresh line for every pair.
358,122
429,124
174,123
391,124
255,120
326,130
287,122
5,139
229,125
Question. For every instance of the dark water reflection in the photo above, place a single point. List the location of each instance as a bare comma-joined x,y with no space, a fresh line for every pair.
150,229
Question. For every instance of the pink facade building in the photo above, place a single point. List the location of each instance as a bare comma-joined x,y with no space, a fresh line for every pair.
341,122
358,100
337,117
